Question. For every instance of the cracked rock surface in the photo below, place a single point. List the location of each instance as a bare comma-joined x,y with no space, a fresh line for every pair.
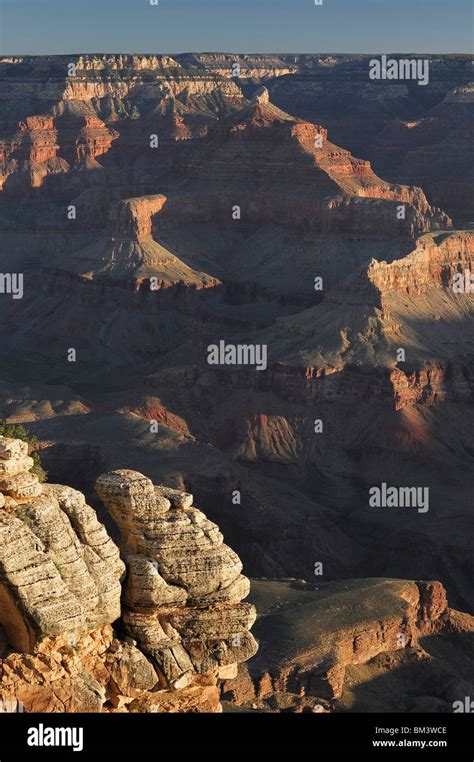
184,588
85,626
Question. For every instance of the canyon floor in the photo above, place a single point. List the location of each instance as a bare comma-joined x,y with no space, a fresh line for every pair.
157,205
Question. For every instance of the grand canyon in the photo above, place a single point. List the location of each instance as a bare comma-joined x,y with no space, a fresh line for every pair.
204,539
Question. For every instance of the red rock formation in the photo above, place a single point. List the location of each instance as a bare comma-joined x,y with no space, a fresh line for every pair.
293,176
344,627
132,218
32,152
37,139
436,383
93,139
47,145
432,264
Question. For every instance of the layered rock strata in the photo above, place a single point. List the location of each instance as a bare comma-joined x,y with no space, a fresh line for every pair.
61,587
313,637
59,570
184,589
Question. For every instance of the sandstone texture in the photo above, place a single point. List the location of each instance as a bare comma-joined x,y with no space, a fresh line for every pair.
182,596
177,591
60,571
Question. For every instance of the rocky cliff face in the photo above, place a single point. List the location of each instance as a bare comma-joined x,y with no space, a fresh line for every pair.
405,137
184,587
433,264
412,140
133,217
350,642
49,145
162,627
63,585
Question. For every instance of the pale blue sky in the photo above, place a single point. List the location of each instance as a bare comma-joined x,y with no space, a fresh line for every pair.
133,26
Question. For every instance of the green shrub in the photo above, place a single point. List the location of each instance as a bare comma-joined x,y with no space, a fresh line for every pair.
20,512
19,432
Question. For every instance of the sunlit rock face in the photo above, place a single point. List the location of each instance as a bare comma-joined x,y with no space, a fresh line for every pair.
177,589
183,593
